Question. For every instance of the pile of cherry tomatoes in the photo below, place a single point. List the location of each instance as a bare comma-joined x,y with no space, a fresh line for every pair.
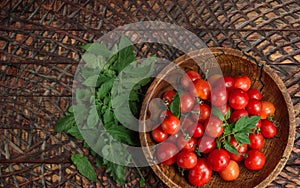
191,141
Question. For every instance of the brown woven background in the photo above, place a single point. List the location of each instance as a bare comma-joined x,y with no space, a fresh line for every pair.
39,51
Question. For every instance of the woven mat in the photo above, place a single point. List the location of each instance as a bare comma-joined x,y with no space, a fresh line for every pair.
39,52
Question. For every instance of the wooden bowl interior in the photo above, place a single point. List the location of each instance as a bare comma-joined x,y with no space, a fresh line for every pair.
233,64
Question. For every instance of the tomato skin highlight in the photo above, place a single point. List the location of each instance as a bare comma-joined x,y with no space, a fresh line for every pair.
159,135
200,88
171,124
254,94
242,82
200,174
254,107
238,99
218,159
256,141
206,144
186,159
213,127
268,129
255,160
166,153
231,172
186,102
201,112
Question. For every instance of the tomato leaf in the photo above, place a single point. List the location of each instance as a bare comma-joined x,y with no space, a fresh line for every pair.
84,166
175,106
229,147
65,123
218,113
227,116
242,138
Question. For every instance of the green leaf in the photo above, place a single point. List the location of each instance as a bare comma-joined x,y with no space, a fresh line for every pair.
126,54
175,106
218,143
122,134
218,113
227,130
74,131
117,172
229,147
245,123
84,166
86,46
105,88
227,116
91,81
64,123
92,118
99,49
242,138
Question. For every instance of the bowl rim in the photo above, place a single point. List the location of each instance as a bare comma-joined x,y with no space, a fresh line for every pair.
271,73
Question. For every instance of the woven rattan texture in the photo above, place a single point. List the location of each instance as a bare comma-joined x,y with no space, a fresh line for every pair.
39,51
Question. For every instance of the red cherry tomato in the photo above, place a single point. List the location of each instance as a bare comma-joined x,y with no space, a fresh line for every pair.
254,94
242,82
206,144
166,153
168,96
256,141
268,129
159,135
171,124
187,102
200,174
237,114
254,107
238,99
164,114
218,159
188,78
186,144
258,124
241,148
213,127
200,88
231,172
227,81
255,160
201,112
268,108
196,132
186,159
219,96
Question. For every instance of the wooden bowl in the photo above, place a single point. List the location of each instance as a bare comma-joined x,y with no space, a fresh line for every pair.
232,62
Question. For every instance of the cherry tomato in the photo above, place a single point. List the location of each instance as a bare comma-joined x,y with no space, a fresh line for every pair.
159,135
238,99
187,102
173,138
258,124
186,144
171,124
231,172
242,82
188,78
268,129
166,153
186,159
206,144
241,148
201,112
219,96
255,160
237,114
168,96
227,81
196,132
224,109
267,109
200,174
254,107
213,127
188,123
256,141
164,114
254,94
218,159
200,88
